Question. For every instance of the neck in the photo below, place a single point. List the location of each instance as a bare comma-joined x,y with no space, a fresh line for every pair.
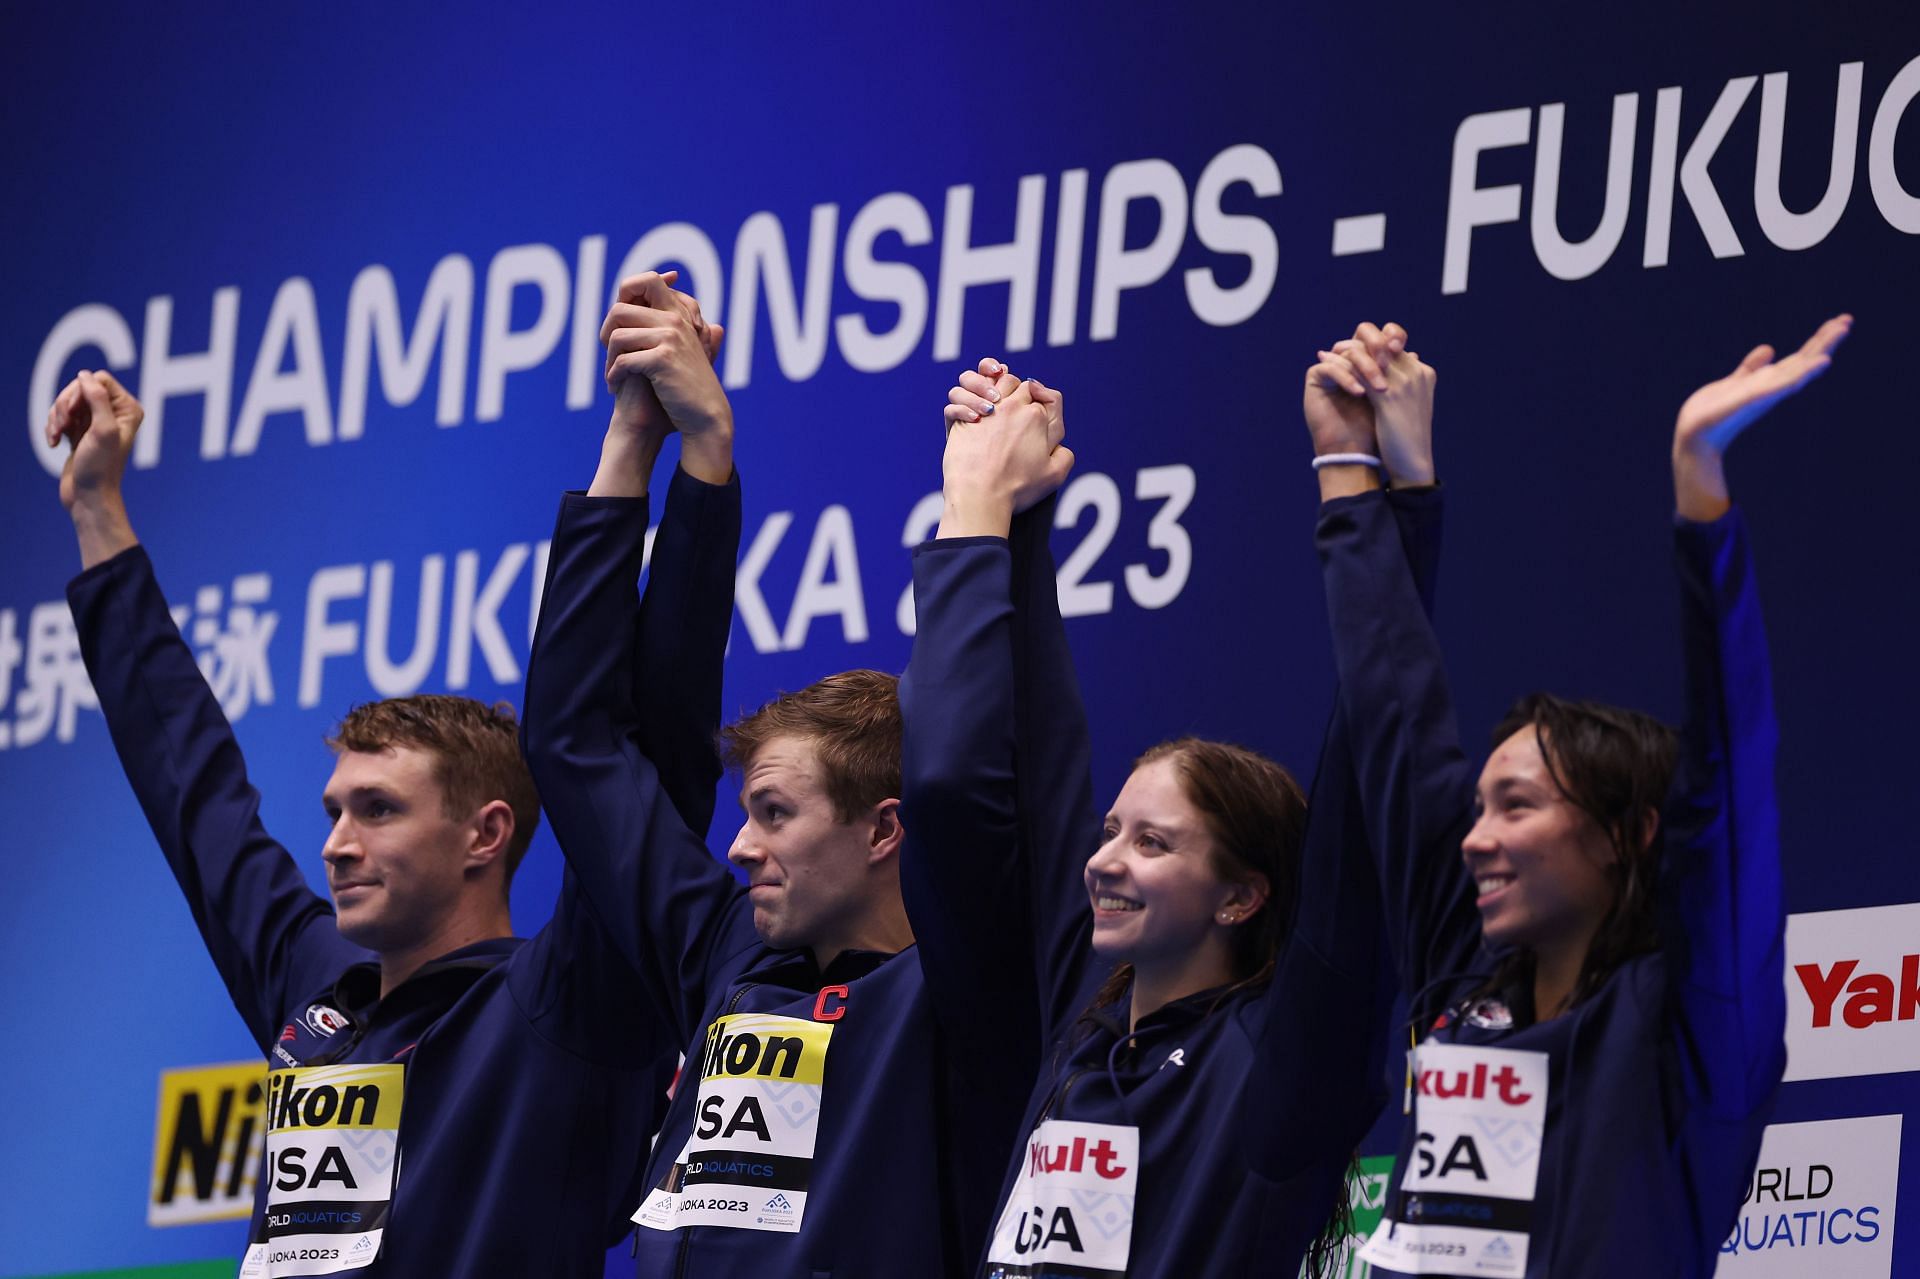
884,929
1155,985
461,929
1556,971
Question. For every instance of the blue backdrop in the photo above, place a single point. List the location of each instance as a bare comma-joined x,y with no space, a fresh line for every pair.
357,271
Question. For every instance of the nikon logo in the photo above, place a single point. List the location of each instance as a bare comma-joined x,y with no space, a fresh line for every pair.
293,1105
745,1053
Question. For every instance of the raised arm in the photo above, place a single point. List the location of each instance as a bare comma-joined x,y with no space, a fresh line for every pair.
1329,976
1059,825
687,608
670,908
1413,779
267,932
1722,918
962,876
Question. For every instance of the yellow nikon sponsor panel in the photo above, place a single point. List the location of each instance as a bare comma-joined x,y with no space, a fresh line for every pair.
353,1096
207,1139
766,1046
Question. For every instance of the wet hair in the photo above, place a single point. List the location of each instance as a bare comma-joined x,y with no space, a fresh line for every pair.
852,721
1257,815
1614,765
475,749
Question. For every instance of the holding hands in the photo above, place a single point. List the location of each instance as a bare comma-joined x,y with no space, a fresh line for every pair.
1713,416
1370,395
660,353
1004,450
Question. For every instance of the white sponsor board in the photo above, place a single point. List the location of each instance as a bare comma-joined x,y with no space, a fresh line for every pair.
1853,992
1820,1202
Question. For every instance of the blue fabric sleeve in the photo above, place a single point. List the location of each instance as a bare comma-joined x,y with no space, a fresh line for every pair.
1324,1029
960,872
1059,823
271,937
1723,926
1414,780
672,911
572,979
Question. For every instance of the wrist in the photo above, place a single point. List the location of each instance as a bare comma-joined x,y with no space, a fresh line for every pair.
1346,480
974,512
706,451
627,456
1700,485
100,523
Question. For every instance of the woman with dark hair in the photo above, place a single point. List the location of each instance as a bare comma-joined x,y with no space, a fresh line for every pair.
1207,980
1590,933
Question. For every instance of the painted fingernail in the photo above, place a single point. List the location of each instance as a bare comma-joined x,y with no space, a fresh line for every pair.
987,410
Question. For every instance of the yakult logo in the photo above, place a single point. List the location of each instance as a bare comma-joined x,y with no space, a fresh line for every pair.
1507,1084
1044,1158
1853,992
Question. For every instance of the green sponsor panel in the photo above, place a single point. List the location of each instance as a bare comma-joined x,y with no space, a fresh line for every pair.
1367,1192
222,1269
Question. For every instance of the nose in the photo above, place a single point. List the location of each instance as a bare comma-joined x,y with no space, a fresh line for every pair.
1479,841
341,844
743,851
1105,862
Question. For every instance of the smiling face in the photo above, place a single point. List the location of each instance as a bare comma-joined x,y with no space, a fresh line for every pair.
1540,862
810,876
396,863
1158,895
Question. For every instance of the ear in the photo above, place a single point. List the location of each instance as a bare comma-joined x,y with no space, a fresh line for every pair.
490,834
884,831
1243,900
1649,828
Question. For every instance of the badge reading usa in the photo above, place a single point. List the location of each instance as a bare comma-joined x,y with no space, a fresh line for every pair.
750,1156
1071,1211
1465,1205
333,1143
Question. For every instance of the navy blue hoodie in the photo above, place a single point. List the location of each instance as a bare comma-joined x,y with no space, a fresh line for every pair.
1659,1084
1245,1103
530,1085
827,1122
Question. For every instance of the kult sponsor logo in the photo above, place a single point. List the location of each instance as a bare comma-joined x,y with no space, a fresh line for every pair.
1472,1084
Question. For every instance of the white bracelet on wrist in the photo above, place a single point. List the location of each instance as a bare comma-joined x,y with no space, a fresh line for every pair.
1347,459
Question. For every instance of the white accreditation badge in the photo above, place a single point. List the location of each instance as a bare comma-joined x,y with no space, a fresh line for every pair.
333,1148
749,1158
1071,1211
1465,1203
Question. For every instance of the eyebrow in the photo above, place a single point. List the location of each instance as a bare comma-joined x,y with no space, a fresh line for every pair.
358,792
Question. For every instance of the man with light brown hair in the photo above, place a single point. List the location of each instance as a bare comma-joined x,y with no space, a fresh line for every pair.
403,1022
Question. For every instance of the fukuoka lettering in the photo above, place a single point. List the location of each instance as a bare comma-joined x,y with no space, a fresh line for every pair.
772,276
1871,997
1683,170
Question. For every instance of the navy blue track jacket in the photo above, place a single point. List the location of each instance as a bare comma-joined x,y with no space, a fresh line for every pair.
1248,1102
911,1107
531,1088
1660,1083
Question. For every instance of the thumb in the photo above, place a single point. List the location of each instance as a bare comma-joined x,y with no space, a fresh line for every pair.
715,332
99,399
1759,357
1059,466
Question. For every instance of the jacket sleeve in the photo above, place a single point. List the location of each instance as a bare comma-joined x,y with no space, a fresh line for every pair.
960,874
271,937
1059,824
680,646
1414,781
672,911
1723,927
1324,1025
573,978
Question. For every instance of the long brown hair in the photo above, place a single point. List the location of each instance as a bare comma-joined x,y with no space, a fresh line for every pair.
1614,765
1257,815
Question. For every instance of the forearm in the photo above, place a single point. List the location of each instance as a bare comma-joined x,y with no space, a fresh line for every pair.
101,524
